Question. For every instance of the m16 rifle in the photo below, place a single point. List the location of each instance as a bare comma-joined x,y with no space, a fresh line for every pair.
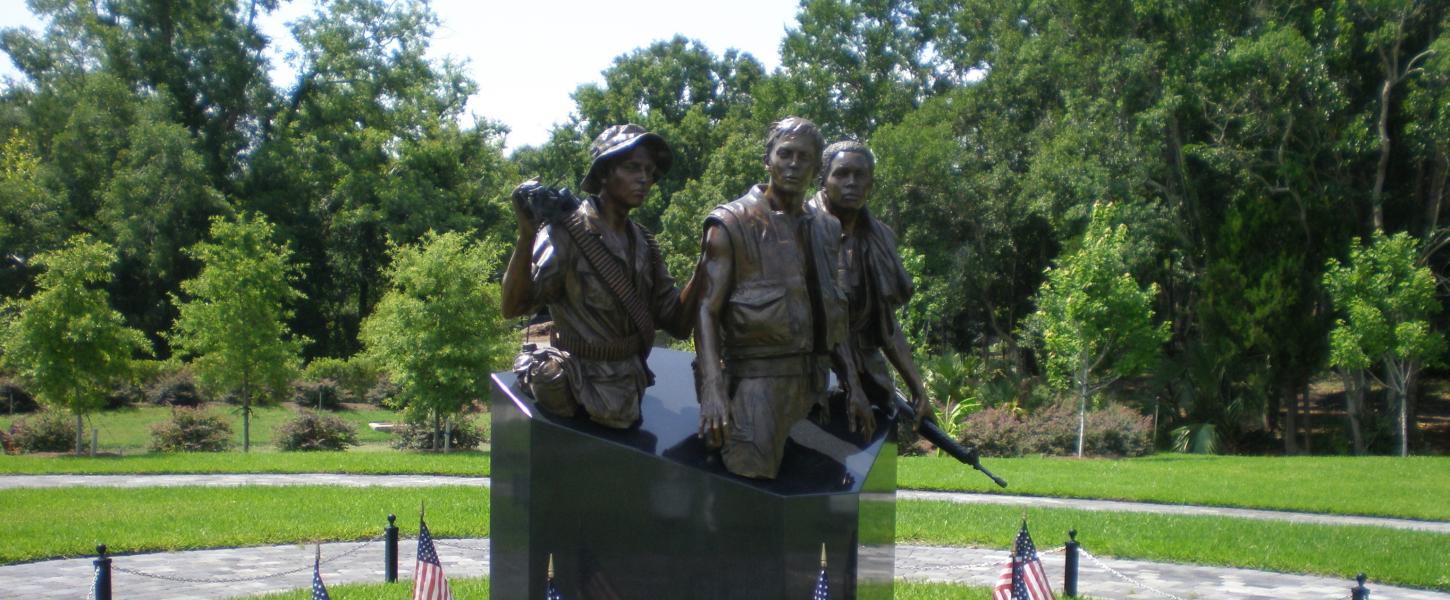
933,433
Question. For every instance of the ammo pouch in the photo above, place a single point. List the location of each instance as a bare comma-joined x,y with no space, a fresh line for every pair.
543,375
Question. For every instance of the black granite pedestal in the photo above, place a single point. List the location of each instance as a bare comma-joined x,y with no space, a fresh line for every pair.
648,513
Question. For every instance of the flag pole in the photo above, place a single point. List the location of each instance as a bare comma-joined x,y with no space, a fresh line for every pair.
551,566
823,555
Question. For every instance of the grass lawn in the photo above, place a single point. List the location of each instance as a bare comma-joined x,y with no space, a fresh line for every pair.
1416,487
50,523
128,430
478,588
1412,558
366,460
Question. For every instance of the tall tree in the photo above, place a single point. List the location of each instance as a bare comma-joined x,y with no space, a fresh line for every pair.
65,341
1386,301
232,317
1093,321
438,331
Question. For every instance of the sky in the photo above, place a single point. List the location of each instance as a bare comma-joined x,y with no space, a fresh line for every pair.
528,56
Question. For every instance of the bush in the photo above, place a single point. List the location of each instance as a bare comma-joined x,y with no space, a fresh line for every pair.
315,431
174,388
467,434
14,398
49,431
383,392
352,378
191,430
320,395
1052,431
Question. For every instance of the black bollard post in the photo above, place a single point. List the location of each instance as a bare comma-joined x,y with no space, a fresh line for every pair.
1359,592
102,587
1069,578
390,551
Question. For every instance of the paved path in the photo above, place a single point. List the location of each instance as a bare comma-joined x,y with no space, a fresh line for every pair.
348,563
51,481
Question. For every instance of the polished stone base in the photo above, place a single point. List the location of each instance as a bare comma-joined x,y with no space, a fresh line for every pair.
649,513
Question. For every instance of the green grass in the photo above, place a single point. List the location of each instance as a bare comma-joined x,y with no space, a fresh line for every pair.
477,587
360,461
1413,558
1417,487
53,523
128,430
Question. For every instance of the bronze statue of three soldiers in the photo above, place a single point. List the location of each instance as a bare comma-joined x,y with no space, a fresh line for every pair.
789,286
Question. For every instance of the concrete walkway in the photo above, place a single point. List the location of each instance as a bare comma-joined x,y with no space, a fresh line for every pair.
129,481
241,572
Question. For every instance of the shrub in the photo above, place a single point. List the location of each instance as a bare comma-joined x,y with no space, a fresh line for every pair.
310,430
49,431
191,430
174,388
382,393
352,378
14,398
995,431
320,395
1118,431
124,395
1052,430
467,433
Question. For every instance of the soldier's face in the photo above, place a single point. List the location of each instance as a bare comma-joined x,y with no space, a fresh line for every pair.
848,180
792,164
629,180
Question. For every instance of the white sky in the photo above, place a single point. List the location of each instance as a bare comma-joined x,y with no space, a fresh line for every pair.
527,56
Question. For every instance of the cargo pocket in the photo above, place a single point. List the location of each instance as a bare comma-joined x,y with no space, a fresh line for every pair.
759,316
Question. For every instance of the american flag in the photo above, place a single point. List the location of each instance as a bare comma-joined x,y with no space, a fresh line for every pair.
1022,577
823,587
319,591
428,580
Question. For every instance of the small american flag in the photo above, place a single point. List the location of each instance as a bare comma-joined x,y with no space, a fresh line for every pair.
319,591
551,592
1022,577
428,580
823,587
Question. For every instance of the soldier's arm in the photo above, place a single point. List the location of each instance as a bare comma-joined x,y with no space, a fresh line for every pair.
517,286
899,353
713,277
858,409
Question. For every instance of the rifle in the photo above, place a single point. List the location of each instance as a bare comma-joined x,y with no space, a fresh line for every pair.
933,433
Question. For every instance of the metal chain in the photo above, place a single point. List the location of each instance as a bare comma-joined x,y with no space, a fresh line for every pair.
1123,577
354,550
92,595
458,546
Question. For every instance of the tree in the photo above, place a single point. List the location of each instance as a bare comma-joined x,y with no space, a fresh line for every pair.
233,320
1386,301
66,342
1094,322
438,331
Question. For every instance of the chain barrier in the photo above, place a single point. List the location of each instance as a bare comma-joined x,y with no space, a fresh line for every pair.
97,575
1126,578
459,546
350,552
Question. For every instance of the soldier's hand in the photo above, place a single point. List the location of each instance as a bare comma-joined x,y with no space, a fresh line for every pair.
922,407
522,211
714,419
859,416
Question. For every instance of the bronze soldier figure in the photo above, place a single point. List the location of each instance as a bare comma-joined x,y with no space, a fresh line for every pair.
602,279
876,283
772,314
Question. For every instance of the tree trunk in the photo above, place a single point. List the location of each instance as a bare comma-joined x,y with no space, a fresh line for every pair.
1307,425
1291,421
246,417
436,432
1082,396
80,434
1353,406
